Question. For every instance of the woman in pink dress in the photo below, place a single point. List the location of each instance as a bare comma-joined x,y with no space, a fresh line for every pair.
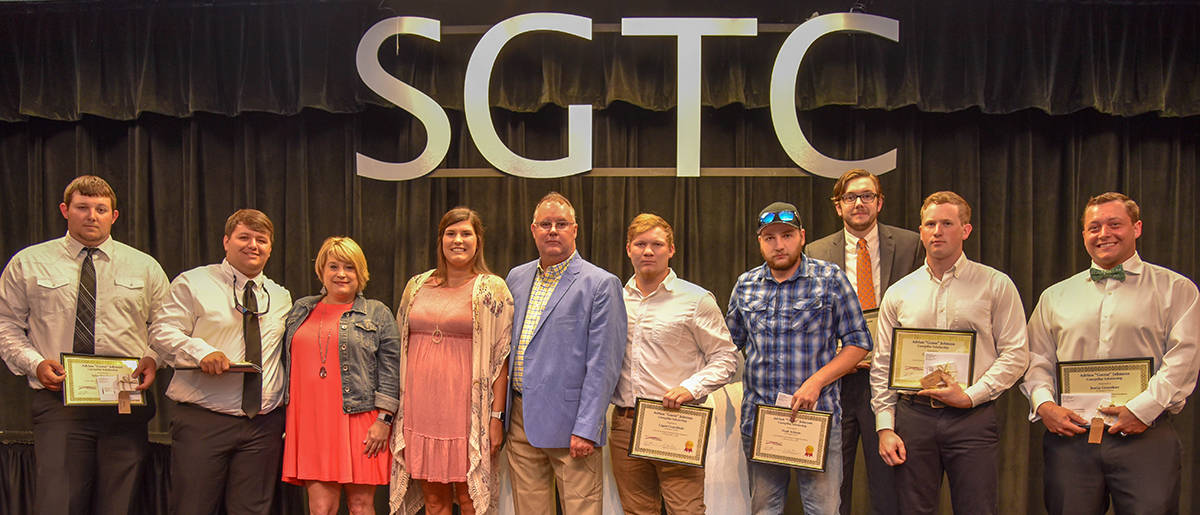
341,363
455,323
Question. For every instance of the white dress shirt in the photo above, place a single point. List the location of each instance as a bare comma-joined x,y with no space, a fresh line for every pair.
677,337
199,317
969,296
851,250
37,302
1153,313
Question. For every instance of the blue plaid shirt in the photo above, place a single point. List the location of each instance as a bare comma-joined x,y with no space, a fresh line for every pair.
790,329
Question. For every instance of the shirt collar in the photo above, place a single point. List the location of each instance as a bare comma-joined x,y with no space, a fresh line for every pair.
556,270
872,237
668,283
1133,265
74,247
240,279
955,270
801,271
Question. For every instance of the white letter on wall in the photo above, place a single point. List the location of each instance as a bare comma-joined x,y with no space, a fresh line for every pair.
479,115
689,31
783,92
437,125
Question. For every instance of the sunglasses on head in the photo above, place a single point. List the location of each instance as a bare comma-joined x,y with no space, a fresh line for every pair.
787,216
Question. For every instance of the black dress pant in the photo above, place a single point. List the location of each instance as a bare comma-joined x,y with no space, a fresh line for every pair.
963,443
1140,473
859,420
90,459
219,459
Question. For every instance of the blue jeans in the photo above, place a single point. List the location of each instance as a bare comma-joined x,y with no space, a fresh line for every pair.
819,491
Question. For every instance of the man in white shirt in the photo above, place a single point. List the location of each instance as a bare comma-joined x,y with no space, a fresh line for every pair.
874,256
949,429
1122,307
84,293
678,351
226,428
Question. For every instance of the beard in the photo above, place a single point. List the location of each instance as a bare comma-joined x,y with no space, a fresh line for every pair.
862,226
786,264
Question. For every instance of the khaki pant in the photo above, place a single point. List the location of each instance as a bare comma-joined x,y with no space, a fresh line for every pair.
644,484
535,472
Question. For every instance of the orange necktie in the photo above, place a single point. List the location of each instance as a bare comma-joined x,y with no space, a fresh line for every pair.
866,284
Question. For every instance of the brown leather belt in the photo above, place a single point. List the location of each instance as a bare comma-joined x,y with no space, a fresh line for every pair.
623,412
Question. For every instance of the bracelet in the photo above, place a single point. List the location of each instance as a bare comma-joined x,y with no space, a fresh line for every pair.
386,418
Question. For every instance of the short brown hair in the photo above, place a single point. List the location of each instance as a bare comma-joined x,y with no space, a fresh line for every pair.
346,250
948,197
90,186
453,216
646,222
1131,207
555,197
253,219
839,187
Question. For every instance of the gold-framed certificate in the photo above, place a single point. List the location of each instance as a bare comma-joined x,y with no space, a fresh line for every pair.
917,353
800,443
671,435
99,380
1084,386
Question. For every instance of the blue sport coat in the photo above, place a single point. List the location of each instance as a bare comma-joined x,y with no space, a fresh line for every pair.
574,359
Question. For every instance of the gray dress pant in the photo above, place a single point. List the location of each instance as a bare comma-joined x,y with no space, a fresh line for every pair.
963,443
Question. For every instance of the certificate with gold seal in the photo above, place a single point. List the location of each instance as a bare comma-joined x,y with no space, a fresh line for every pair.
98,380
917,353
671,435
800,443
1118,379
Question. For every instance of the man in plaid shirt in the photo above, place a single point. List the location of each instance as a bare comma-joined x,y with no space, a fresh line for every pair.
787,315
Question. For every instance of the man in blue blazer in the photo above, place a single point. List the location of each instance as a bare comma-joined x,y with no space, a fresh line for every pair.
568,342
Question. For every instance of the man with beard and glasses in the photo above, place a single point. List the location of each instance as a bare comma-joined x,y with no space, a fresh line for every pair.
874,256
787,315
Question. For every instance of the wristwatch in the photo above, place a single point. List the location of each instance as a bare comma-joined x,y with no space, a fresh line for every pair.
498,415
386,418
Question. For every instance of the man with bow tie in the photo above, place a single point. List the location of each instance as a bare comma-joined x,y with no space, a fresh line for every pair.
1122,307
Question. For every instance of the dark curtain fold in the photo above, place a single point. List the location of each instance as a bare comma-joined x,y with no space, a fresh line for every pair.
119,61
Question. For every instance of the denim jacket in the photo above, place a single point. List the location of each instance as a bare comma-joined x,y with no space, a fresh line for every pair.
368,350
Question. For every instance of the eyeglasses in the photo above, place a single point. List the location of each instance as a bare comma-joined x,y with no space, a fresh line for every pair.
788,216
560,225
237,303
867,197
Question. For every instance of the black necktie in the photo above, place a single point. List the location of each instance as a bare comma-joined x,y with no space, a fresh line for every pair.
85,307
251,382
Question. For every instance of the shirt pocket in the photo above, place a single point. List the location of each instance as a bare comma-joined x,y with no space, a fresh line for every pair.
53,294
805,315
366,335
758,315
128,294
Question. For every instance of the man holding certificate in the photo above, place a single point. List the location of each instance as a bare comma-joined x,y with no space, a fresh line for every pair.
678,351
958,343
788,315
1118,344
83,294
221,327
874,256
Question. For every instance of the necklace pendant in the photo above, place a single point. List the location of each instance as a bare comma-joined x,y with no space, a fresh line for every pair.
437,335
322,373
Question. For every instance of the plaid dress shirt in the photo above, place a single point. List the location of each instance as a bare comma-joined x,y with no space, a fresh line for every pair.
790,329
544,282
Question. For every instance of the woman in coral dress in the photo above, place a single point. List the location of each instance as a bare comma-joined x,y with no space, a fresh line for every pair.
342,358
455,323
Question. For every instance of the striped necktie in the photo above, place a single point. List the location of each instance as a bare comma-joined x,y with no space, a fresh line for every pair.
85,307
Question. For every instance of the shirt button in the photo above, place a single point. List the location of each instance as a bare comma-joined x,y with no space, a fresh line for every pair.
343,347
343,326
344,367
346,389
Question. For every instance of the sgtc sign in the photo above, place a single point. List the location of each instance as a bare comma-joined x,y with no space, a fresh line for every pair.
687,31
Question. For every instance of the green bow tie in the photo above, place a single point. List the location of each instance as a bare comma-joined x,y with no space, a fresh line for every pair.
1117,272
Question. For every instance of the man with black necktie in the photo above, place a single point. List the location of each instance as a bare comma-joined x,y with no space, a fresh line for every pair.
874,256
84,293
226,428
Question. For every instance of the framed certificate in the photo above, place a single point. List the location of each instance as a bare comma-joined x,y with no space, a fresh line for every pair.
671,435
779,440
918,352
98,380
1122,379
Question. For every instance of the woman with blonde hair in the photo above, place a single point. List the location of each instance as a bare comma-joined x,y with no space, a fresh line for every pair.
455,323
341,366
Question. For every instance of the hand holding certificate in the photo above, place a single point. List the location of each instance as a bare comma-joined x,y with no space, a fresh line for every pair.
918,354
100,381
671,435
781,440
1085,386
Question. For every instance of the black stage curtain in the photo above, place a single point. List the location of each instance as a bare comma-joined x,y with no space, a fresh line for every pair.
1026,174
120,59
